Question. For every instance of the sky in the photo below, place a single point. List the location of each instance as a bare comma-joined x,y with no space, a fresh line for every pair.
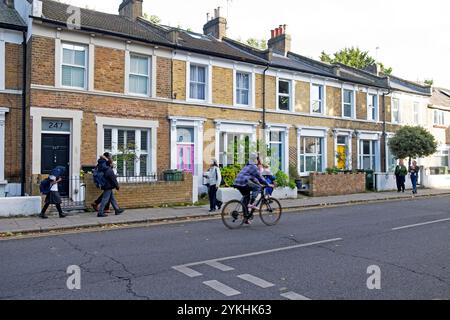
412,36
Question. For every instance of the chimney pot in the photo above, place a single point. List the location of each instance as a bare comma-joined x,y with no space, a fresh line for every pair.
272,33
280,42
217,26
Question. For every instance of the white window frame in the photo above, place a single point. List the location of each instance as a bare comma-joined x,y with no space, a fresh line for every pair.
282,144
375,108
304,154
438,117
394,101
372,154
66,44
207,82
416,113
353,104
149,75
250,89
321,101
290,95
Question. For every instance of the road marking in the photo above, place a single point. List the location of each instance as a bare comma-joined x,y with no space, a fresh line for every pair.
419,224
294,296
219,266
187,271
256,281
222,288
261,252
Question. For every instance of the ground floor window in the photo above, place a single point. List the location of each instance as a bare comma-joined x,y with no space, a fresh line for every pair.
276,149
311,154
130,149
440,158
234,148
367,154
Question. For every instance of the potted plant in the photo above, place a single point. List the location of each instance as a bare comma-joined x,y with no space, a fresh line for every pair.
295,177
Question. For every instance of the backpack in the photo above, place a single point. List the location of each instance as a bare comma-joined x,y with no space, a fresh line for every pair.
45,186
99,178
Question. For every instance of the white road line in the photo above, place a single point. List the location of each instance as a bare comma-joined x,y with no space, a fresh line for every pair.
294,296
222,288
219,266
187,271
256,281
262,252
419,224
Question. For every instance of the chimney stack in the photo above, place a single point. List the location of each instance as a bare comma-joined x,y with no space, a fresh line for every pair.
280,41
217,26
131,9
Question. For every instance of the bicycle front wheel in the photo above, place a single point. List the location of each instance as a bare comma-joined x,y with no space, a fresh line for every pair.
270,212
233,214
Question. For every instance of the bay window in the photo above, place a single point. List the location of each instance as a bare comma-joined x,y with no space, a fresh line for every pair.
74,66
311,154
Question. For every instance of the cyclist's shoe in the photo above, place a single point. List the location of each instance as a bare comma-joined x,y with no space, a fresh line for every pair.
252,207
248,221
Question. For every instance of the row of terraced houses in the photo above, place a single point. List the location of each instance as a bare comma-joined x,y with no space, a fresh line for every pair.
182,98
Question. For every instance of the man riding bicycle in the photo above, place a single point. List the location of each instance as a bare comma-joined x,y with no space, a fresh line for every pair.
249,182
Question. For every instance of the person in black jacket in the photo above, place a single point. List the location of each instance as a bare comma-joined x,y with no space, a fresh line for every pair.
100,163
108,195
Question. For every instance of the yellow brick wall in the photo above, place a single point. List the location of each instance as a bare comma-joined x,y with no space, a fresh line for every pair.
334,101
179,79
302,96
259,90
222,86
361,105
271,88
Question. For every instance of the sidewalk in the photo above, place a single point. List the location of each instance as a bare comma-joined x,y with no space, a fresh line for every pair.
14,226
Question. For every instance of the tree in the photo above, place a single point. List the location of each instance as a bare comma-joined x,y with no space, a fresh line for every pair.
353,57
412,142
429,82
152,18
258,44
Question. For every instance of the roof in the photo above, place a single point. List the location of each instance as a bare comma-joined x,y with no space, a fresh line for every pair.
10,17
57,12
400,84
441,98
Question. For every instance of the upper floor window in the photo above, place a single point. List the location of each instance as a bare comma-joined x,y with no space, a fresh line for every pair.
284,95
439,118
74,66
349,102
372,107
242,88
317,98
416,113
198,75
395,110
139,77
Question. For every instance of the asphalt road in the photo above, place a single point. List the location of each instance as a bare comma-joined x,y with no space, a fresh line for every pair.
316,254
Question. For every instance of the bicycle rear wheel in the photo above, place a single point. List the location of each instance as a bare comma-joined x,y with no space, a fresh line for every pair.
233,214
270,212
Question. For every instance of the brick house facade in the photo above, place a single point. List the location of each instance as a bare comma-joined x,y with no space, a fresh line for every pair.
181,99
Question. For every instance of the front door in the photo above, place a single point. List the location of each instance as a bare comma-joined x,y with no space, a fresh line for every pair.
185,157
56,152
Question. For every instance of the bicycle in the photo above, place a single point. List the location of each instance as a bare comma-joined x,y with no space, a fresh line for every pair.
235,212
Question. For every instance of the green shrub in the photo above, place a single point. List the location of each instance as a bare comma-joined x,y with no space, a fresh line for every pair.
333,170
282,179
292,184
229,174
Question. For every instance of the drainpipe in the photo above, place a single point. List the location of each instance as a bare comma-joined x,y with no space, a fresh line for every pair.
264,99
384,128
24,115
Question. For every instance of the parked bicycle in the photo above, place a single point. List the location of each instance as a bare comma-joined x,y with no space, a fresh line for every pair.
236,212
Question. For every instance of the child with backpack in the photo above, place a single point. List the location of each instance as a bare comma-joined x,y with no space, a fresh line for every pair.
49,187
270,179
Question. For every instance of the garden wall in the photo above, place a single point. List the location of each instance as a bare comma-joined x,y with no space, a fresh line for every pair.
323,184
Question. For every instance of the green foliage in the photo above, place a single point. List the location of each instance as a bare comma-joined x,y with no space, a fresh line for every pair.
282,179
333,170
257,44
230,173
412,142
293,173
429,82
152,18
292,184
353,57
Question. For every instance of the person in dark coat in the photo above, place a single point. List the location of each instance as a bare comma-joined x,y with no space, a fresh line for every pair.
106,156
400,176
414,172
53,197
108,194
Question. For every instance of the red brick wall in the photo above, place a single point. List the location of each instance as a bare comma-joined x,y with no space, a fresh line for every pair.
43,61
336,184
14,61
109,70
145,195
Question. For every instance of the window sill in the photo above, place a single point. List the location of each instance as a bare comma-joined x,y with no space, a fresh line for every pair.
439,126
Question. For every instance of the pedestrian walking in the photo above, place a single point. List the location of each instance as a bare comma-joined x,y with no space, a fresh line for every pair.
400,176
110,183
50,187
99,181
214,179
414,173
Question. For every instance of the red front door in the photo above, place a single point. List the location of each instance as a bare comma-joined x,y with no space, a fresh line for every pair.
185,155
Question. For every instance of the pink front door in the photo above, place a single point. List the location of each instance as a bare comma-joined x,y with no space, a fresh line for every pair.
185,157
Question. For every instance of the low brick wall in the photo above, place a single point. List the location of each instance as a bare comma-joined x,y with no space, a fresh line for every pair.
322,184
145,195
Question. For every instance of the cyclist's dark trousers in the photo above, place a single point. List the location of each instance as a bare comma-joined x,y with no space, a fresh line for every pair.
245,191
